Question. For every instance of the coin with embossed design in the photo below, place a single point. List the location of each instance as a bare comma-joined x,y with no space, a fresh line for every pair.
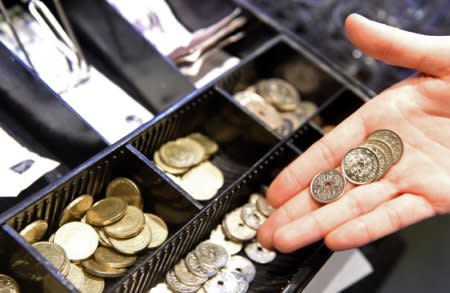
360,166
211,255
182,153
176,285
279,93
392,139
8,284
327,186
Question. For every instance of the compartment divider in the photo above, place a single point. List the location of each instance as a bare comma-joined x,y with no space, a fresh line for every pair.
305,136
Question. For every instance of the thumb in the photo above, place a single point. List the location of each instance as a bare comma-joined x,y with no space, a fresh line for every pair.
428,54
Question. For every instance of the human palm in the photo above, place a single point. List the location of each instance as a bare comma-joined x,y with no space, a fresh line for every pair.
415,188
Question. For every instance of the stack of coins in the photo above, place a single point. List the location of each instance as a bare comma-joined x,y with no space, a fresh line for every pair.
277,103
214,265
361,165
98,240
186,162
8,284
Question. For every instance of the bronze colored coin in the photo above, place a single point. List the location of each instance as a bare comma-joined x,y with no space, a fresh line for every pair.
34,231
76,277
100,270
279,93
393,141
169,169
210,146
158,230
182,153
129,226
76,209
113,259
133,245
106,211
8,284
125,189
93,284
103,238
79,240
53,252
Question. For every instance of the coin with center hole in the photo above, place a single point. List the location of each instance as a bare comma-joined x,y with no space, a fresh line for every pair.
223,282
106,211
241,265
34,231
279,93
176,285
259,254
251,216
76,209
8,284
125,189
182,153
327,186
79,240
130,225
218,236
185,276
211,255
360,166
392,139
236,228
264,207
194,266
242,284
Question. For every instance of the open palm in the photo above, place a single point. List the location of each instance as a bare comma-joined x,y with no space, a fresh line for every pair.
415,188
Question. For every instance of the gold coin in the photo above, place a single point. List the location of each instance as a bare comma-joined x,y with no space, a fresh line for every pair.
210,146
76,277
76,209
113,259
182,153
163,166
106,211
93,284
130,225
203,181
158,229
8,284
53,252
100,270
133,245
103,238
34,231
125,189
279,93
79,240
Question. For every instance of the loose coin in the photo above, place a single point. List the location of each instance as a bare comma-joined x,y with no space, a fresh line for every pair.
182,153
158,228
79,240
106,211
34,231
76,209
211,255
264,207
236,228
254,198
259,254
218,236
130,225
100,270
176,285
194,266
327,186
93,284
242,266
392,139
53,252
125,189
113,259
103,238
185,276
8,284
76,277
242,284
383,164
210,146
135,244
266,113
360,166
279,93
251,216
223,282
203,182
163,166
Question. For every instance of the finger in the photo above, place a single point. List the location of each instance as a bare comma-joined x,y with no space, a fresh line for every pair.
324,154
304,229
387,218
429,54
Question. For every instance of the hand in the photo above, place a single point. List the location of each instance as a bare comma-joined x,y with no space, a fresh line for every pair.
415,188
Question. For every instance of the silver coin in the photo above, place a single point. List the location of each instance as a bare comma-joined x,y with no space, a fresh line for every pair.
211,255
160,288
266,113
246,96
327,186
224,282
251,216
241,265
242,284
279,93
185,276
176,285
360,166
259,254
254,197
194,266
236,228
382,160
264,207
386,150
295,118
218,236
392,139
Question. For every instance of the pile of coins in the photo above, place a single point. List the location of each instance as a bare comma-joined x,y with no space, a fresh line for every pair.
214,265
98,240
361,165
278,104
186,161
